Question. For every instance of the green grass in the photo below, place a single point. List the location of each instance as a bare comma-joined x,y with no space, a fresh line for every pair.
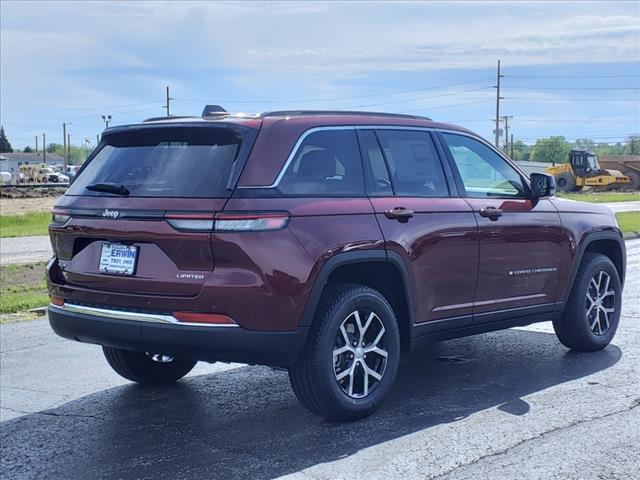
629,221
22,287
602,197
34,223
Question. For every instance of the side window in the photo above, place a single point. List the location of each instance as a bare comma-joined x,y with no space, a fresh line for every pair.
484,173
326,163
378,181
413,163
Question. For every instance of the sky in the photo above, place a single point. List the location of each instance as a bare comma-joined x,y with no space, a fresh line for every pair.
570,69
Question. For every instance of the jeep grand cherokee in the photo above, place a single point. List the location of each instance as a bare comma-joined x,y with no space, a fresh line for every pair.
326,243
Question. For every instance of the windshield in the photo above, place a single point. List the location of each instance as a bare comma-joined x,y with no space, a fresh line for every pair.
162,162
592,162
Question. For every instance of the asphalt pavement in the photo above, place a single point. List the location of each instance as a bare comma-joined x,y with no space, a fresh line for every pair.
510,404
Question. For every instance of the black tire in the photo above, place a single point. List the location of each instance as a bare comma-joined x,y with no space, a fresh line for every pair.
565,182
141,368
635,180
583,332
313,377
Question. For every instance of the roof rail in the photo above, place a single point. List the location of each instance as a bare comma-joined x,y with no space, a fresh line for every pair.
292,113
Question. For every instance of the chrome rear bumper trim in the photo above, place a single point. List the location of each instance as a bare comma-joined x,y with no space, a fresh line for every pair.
134,316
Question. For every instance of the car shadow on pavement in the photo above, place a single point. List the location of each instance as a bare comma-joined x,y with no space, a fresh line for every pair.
246,423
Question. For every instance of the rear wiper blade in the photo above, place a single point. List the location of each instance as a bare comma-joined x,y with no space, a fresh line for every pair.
116,188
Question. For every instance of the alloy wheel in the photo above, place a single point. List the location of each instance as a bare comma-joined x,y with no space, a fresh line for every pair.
600,303
359,353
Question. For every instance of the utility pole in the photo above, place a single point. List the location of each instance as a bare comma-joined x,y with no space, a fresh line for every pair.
107,119
498,107
167,105
44,148
511,146
36,136
506,131
64,146
68,151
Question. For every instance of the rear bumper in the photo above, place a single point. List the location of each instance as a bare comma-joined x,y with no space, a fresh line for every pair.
220,343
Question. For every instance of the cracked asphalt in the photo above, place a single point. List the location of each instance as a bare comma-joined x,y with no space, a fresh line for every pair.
507,405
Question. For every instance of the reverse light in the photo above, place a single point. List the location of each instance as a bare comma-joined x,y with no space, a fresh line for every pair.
250,222
208,318
193,222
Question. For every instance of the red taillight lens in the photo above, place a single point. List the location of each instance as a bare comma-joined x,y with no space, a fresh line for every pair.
209,318
192,222
250,222
57,301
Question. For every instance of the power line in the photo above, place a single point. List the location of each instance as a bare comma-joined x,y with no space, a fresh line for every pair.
561,99
97,116
415,99
335,99
574,76
428,109
94,108
575,88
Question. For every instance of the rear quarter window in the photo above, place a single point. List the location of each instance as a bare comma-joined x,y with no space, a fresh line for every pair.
163,162
327,162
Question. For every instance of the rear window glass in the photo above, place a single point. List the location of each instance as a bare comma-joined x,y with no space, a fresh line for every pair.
163,162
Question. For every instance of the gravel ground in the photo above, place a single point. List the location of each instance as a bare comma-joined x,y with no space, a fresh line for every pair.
508,405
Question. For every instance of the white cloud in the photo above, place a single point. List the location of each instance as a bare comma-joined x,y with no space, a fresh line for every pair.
78,54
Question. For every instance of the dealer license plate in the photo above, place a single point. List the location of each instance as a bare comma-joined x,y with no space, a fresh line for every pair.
118,258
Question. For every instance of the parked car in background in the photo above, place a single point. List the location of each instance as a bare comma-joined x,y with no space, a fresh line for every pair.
55,176
72,170
327,243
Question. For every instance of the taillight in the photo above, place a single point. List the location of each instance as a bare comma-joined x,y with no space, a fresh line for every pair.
228,222
59,216
250,222
193,222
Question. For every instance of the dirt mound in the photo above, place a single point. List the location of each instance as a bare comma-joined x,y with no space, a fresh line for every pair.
31,192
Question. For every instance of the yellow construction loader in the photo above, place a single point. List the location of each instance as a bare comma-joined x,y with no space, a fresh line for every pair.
583,170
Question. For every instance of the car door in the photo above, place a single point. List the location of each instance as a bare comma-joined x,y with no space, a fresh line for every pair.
520,237
423,222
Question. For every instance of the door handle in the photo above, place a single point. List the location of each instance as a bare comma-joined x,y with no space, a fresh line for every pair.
399,213
492,213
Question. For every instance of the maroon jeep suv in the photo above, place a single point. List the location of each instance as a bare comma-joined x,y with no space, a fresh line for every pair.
327,243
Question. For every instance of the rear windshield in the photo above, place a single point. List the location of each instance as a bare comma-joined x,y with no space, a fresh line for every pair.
162,162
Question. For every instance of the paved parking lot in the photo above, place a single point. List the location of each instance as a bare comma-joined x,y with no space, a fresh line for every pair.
512,404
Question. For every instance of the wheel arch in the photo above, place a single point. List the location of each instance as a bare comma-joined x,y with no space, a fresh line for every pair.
378,269
609,243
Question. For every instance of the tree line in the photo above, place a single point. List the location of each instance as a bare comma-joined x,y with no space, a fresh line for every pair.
556,148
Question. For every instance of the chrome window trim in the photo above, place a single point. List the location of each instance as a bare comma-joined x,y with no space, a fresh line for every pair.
294,151
308,132
134,316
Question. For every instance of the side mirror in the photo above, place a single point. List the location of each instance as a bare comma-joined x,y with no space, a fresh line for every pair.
542,185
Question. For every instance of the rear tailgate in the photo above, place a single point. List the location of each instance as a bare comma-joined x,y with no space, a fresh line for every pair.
149,195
